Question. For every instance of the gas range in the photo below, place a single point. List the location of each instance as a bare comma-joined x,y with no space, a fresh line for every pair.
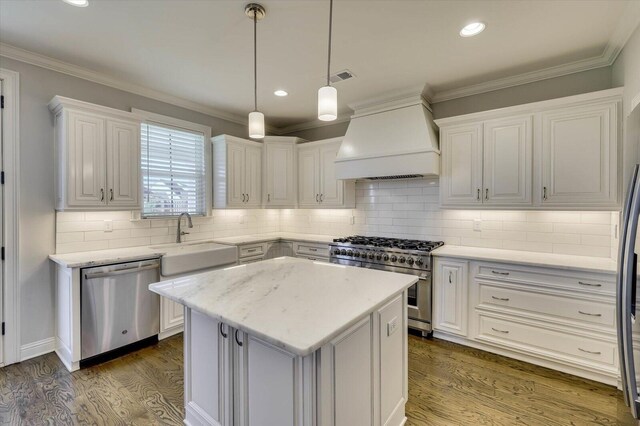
413,255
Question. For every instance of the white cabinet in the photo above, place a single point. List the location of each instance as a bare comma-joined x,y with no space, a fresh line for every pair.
171,318
555,154
318,186
237,173
97,156
488,163
450,296
579,155
280,172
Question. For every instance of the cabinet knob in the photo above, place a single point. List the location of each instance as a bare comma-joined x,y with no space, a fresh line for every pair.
321,195
111,194
317,198
544,193
237,339
222,333
486,194
247,198
101,194
450,279
478,195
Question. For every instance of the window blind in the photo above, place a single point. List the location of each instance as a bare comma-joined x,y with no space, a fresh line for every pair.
173,170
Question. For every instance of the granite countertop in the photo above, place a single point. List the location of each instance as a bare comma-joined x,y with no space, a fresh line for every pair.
554,260
105,257
295,304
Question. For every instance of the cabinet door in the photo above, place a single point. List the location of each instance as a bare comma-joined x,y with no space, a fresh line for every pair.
461,179
331,189
253,177
450,297
235,175
579,156
308,177
171,316
123,163
279,188
86,168
508,150
210,390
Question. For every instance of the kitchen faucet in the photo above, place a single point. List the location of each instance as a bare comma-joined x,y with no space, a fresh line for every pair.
180,232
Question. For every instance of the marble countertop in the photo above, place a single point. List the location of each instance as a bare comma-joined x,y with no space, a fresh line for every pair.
295,304
105,257
560,261
288,236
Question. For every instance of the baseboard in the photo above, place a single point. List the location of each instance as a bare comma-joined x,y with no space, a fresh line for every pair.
41,347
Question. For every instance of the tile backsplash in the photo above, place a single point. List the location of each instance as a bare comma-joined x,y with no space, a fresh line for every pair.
405,208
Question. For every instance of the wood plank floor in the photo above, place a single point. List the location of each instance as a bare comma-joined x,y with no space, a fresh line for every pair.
449,384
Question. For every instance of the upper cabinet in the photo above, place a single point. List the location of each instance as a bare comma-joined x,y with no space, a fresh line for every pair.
280,172
97,153
237,173
555,154
318,186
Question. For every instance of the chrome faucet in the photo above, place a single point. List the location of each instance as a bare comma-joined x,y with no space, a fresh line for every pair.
180,232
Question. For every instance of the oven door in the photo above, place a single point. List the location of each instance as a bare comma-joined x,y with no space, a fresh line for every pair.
418,298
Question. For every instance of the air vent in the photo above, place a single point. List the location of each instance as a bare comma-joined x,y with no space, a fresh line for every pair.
341,76
394,177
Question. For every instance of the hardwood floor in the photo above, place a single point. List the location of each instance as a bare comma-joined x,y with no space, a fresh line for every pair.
449,384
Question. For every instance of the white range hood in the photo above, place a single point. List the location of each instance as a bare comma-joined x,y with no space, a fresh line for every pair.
393,139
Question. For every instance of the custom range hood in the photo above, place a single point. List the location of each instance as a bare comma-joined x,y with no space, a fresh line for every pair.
393,139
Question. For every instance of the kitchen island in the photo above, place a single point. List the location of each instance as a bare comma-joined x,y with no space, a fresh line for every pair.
294,342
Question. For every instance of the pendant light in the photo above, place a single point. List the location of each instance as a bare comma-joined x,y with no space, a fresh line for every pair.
256,12
328,95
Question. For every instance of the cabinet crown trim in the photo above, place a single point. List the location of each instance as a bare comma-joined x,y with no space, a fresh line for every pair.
229,138
58,103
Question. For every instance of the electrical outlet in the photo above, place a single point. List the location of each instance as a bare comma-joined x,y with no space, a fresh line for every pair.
352,221
392,326
108,226
477,223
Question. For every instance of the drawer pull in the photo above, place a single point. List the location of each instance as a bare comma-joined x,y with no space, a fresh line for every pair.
500,331
589,284
591,315
590,352
251,250
504,299
450,279
313,249
499,273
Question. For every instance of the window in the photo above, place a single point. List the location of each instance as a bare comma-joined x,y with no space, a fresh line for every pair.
173,171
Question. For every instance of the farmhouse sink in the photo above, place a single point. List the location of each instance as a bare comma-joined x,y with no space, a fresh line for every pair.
183,258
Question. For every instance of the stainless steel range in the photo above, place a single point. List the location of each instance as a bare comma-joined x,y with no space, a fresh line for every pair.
394,255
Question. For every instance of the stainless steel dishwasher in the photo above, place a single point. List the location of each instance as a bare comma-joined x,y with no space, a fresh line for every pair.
116,307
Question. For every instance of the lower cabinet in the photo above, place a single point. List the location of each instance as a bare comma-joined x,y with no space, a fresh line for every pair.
171,318
358,378
557,318
255,252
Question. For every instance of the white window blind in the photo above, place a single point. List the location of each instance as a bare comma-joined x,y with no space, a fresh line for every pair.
173,170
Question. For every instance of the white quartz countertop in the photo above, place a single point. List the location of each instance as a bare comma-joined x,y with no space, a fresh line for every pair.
295,304
105,257
561,261
288,236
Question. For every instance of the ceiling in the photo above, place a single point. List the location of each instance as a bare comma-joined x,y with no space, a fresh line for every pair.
202,51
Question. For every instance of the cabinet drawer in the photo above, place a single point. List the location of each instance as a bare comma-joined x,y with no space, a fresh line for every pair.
588,312
566,280
252,250
312,249
250,259
542,341
316,258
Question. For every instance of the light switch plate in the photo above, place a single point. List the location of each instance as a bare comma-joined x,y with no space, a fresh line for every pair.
476,224
108,226
392,326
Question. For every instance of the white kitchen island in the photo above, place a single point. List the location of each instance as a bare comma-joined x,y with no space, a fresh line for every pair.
294,342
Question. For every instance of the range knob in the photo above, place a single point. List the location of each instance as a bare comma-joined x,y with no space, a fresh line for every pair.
385,257
336,252
394,258
419,262
356,254
409,261
343,252
349,253
379,256
371,255
402,259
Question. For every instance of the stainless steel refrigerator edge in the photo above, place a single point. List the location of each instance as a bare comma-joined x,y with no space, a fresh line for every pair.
117,307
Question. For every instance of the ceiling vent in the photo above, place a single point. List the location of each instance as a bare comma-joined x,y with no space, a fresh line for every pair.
341,76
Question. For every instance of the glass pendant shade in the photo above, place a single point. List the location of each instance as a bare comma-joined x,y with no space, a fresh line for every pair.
256,125
327,103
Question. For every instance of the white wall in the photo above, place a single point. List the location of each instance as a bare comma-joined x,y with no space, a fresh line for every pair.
410,209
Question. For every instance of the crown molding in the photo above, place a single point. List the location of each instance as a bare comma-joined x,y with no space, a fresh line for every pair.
627,24
22,55
313,124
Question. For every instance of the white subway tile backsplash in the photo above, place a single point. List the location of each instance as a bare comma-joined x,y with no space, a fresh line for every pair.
403,209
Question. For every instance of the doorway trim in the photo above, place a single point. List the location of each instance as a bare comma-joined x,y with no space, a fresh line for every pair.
11,167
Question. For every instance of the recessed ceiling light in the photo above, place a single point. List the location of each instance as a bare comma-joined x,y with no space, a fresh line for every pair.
78,3
280,93
472,29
